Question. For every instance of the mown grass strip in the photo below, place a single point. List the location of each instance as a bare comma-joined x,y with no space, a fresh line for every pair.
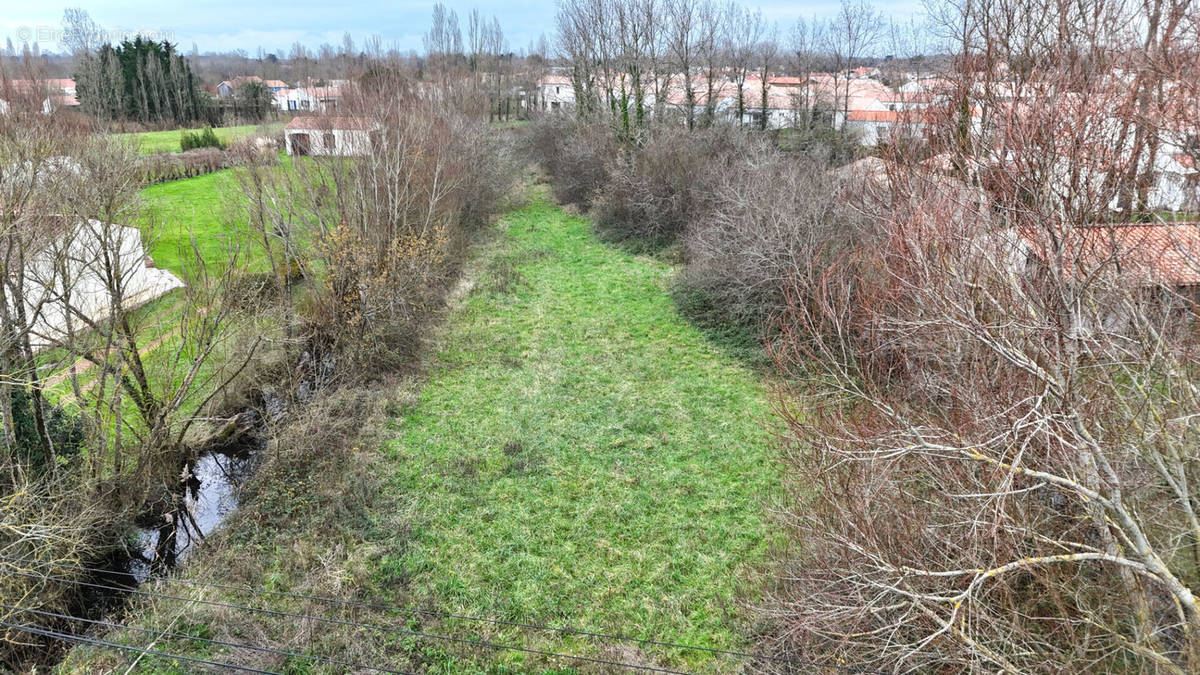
581,455
156,142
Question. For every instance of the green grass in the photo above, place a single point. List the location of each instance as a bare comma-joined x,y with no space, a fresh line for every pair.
578,455
200,208
155,142
581,455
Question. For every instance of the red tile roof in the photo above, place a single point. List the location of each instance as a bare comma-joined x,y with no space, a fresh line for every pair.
52,85
323,123
1149,254
873,116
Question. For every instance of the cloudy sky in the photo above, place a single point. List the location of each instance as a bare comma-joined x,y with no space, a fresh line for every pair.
223,25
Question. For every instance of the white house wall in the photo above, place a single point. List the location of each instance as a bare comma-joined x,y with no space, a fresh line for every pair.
347,142
85,275
556,96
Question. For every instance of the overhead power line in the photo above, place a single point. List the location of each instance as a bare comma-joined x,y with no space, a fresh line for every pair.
612,637
219,643
84,640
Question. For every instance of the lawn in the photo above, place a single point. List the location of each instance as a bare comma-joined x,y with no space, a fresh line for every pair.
577,454
202,208
580,455
155,142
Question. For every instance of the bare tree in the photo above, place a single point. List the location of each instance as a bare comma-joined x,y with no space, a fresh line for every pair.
806,38
636,43
81,35
683,45
744,30
850,33
766,55
712,26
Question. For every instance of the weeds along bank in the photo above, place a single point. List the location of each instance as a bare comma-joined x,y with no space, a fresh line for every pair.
103,401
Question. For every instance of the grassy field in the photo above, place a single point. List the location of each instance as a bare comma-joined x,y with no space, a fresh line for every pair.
202,208
582,456
578,455
177,211
155,142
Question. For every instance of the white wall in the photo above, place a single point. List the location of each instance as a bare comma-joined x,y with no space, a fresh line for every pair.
561,94
776,118
85,276
346,142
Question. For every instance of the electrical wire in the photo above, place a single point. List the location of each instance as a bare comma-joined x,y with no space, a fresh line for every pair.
219,643
355,624
81,639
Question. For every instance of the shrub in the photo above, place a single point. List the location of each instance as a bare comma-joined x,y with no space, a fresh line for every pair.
574,155
167,167
207,138
964,455
380,252
488,177
769,220
653,192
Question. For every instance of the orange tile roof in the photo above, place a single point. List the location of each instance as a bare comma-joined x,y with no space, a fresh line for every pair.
320,122
873,116
1149,254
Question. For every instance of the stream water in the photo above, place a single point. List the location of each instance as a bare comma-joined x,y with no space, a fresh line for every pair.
209,487
209,484
204,496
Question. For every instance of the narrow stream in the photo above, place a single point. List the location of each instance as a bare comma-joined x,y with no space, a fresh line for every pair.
206,493
209,488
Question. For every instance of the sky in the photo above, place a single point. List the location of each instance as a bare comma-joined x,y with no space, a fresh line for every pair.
227,25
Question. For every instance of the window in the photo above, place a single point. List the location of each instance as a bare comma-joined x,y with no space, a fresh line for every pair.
330,141
556,90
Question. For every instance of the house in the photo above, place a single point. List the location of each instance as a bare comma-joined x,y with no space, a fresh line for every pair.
555,92
47,95
228,88
331,136
60,296
872,127
1177,183
723,99
783,105
309,98
1155,261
